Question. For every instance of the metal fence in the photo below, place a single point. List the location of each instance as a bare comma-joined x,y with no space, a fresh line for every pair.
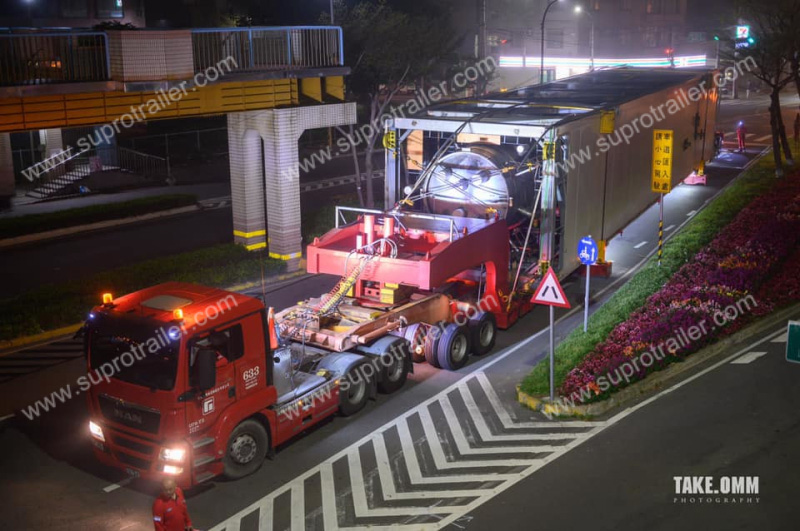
268,48
64,57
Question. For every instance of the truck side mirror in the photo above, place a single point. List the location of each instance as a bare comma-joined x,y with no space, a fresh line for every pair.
206,369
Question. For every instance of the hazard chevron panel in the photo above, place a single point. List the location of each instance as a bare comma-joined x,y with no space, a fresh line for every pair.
425,470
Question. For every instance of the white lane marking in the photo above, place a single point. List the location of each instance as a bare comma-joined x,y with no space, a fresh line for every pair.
669,228
298,507
783,338
115,486
750,135
389,490
6,417
747,358
640,245
764,138
361,505
265,516
693,212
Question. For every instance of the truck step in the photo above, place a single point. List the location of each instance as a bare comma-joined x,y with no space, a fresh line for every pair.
203,459
199,443
205,476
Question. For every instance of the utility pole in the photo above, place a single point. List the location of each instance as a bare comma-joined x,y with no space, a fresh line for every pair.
332,23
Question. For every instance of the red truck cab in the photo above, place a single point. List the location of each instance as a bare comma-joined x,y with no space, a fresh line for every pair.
182,382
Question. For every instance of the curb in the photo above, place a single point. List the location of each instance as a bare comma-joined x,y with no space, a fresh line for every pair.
11,345
660,380
68,231
38,338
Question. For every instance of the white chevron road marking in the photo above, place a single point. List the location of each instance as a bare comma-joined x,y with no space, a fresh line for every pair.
454,468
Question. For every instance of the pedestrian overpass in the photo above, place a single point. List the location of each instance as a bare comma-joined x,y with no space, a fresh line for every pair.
273,83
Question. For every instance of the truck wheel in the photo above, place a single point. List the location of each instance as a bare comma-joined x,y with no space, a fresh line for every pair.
453,349
432,339
394,368
483,328
415,334
354,390
246,450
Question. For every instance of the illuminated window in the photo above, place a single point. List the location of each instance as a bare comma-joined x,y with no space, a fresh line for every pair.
596,5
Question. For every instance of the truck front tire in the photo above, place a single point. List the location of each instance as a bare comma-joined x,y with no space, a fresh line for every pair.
246,450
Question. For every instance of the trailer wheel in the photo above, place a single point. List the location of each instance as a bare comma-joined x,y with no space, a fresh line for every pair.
354,390
483,328
394,368
432,345
415,334
246,450
453,350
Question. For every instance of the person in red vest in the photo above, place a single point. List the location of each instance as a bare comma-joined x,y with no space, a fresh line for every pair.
169,509
741,135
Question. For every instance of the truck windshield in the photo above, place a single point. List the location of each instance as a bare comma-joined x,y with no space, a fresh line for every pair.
155,362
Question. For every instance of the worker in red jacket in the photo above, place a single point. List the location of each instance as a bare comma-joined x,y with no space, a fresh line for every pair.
169,509
741,136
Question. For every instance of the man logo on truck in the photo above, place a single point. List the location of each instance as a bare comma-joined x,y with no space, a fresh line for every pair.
127,416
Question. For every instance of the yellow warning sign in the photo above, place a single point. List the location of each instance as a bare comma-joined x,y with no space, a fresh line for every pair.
661,180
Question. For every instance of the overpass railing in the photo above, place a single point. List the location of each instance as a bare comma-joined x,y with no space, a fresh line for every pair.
269,48
30,57
53,57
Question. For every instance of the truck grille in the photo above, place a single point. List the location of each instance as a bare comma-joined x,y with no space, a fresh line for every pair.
137,447
141,464
129,414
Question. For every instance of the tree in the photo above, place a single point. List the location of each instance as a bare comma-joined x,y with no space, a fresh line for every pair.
774,53
387,49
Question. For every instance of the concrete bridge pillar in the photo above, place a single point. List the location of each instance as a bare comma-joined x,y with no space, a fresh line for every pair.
6,171
266,197
52,141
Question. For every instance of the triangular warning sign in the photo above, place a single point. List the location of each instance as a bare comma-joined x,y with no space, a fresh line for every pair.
549,292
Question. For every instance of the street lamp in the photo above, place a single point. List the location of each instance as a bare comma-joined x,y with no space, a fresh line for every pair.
541,58
578,11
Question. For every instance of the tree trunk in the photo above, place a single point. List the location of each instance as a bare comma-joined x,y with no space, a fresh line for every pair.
773,122
787,150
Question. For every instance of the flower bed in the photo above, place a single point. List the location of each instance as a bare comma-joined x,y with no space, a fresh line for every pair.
712,295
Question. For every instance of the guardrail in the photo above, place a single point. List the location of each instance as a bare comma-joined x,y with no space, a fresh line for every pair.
269,48
57,57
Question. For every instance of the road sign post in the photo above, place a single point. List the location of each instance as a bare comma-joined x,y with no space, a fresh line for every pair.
661,181
587,253
793,342
551,294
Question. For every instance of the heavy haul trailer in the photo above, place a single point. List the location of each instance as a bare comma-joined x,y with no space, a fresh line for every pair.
459,157
207,382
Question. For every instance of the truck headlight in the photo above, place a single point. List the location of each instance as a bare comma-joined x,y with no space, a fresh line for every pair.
173,470
173,454
96,431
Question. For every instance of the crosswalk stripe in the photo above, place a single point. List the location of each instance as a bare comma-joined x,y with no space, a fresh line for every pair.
764,138
747,358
